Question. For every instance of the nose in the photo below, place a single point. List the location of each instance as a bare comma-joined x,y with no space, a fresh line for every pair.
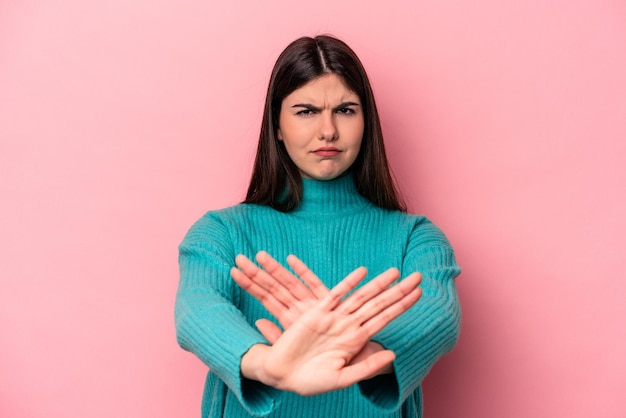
327,129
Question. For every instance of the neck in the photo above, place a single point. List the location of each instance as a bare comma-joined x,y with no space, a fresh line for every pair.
331,196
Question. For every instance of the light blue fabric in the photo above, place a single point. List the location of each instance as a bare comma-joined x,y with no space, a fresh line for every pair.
334,231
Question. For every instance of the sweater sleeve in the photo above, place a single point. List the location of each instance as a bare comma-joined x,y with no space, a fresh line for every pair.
430,328
208,322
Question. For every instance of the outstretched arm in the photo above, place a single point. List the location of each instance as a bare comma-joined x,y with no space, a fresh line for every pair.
208,322
430,329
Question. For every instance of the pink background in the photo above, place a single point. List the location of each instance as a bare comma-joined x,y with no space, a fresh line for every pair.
122,122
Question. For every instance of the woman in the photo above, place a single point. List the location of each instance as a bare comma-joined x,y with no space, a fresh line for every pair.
321,188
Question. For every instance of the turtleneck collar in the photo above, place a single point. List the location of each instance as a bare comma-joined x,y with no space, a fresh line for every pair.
331,196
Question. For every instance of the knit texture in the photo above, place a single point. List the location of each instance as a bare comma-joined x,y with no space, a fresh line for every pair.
334,231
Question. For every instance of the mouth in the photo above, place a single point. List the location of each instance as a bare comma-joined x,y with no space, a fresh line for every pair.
326,151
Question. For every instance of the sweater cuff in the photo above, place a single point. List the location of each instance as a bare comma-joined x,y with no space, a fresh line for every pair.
382,391
217,348
257,398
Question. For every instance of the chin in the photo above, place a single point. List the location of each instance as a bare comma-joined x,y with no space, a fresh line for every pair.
324,173
324,176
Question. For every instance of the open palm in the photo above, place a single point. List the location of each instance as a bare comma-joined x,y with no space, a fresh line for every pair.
326,343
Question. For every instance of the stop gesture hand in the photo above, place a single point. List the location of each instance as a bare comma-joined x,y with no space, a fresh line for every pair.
326,344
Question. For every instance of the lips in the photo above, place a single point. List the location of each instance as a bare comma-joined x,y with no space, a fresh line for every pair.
327,152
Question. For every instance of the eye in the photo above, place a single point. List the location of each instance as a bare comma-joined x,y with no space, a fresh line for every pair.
346,111
304,112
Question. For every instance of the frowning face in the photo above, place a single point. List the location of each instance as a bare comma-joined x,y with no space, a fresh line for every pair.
321,125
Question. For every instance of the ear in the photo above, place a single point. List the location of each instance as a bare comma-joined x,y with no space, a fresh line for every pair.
279,135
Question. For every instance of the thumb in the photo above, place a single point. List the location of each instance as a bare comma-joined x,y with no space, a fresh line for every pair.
269,330
367,368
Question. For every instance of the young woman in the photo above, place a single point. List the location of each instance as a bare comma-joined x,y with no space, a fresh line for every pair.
353,342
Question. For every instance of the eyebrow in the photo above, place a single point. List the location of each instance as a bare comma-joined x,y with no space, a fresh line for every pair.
317,109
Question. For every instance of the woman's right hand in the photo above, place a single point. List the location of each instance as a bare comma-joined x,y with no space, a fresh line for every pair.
284,295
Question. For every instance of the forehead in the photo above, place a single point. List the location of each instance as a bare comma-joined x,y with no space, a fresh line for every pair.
329,88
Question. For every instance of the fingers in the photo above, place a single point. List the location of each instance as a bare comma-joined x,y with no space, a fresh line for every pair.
312,281
267,299
370,307
295,287
366,368
261,284
393,302
280,292
344,287
270,331
375,287
376,304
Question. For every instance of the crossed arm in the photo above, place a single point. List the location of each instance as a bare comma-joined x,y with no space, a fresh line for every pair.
326,343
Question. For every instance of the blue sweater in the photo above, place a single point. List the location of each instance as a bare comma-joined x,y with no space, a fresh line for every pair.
334,231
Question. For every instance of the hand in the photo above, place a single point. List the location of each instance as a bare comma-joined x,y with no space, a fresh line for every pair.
271,332
286,297
282,293
326,346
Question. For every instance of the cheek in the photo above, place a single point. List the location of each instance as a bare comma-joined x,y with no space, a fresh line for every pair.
359,144
292,133
358,136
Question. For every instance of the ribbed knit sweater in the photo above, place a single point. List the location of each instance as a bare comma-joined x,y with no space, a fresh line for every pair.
333,231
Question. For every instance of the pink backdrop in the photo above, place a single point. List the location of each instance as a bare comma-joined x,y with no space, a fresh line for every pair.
121,122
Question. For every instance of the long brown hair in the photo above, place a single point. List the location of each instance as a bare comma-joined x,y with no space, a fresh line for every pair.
276,180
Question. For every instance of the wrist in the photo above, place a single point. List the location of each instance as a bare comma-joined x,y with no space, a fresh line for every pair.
251,366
